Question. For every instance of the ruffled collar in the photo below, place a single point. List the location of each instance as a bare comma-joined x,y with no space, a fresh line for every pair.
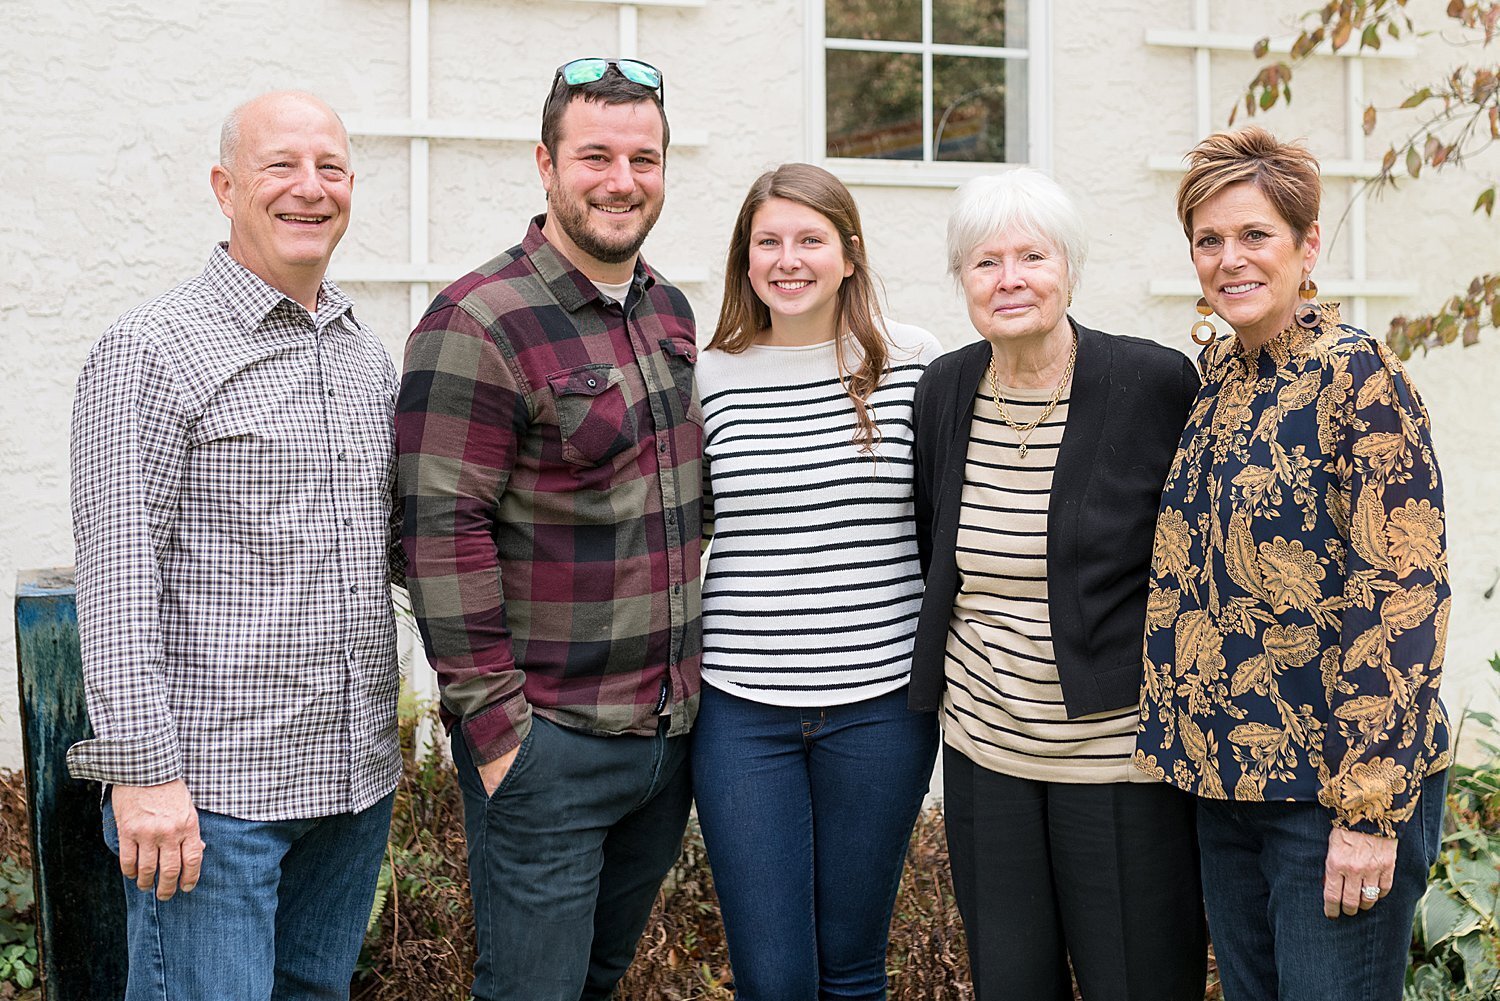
1229,354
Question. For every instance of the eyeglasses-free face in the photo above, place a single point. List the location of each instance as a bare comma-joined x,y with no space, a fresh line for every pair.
581,71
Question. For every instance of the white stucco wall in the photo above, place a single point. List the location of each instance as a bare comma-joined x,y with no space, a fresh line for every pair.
111,116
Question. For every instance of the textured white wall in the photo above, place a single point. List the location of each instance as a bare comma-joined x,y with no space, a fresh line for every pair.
111,116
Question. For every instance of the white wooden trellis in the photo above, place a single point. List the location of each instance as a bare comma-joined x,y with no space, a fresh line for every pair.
1356,289
420,273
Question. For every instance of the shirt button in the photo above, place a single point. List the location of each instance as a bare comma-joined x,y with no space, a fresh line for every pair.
343,455
592,383
661,447
330,392
348,522
353,588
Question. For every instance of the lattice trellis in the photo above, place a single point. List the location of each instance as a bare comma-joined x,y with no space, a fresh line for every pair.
1357,288
420,273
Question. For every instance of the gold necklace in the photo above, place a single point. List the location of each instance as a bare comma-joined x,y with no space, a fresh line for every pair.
1023,431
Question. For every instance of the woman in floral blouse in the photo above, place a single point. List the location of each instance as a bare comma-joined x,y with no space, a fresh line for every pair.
1298,604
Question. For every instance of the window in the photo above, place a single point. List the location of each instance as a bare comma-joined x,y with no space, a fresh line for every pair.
926,90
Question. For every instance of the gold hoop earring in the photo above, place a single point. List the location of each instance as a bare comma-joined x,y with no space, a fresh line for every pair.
1309,317
1204,332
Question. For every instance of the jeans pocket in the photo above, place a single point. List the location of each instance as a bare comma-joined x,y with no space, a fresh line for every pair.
111,833
594,418
523,753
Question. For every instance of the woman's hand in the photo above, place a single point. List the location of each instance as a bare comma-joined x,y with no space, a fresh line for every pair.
1356,861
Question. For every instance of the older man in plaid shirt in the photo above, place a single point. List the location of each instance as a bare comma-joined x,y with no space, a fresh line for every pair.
233,473
549,448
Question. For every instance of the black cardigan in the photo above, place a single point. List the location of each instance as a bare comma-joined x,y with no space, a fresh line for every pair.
1129,402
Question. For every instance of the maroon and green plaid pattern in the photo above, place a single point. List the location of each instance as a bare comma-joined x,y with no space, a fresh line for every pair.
550,449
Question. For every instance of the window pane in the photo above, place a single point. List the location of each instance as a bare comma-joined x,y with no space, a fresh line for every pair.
979,109
1001,23
891,20
874,104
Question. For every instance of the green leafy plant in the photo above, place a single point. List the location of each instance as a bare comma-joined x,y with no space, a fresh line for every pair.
1456,941
17,930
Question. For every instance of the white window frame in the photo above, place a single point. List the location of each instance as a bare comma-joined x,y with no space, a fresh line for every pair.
928,172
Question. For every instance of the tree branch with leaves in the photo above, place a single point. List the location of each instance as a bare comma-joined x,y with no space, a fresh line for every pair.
1452,120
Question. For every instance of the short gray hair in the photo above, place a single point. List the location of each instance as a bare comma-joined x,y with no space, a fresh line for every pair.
1022,199
229,132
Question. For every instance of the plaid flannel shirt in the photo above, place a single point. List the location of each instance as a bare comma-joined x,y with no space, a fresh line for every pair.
549,451
233,473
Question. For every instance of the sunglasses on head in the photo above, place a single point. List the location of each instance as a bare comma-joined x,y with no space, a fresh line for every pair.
581,71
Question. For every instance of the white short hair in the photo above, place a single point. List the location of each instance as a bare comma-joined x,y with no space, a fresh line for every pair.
1021,199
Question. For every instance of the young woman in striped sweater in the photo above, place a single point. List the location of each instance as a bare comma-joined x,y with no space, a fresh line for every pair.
808,767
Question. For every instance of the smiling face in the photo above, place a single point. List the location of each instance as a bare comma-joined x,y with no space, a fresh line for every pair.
1249,262
1016,287
286,192
605,186
797,265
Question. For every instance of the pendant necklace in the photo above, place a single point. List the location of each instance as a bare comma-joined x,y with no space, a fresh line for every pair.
1023,431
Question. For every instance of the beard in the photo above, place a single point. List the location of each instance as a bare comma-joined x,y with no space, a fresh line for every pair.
572,216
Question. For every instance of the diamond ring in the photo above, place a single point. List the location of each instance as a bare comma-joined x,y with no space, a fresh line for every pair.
1370,892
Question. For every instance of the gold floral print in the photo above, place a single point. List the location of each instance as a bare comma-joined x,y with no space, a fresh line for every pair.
1413,535
1174,544
1298,604
1291,573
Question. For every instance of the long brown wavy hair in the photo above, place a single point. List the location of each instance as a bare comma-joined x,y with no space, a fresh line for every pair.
743,315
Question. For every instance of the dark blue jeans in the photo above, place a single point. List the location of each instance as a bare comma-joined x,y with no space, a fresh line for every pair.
1263,884
566,857
806,814
279,913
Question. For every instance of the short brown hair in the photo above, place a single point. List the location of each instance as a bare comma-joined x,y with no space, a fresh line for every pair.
1286,173
612,88
743,315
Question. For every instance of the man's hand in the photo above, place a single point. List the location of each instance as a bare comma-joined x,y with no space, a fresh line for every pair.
159,842
1356,861
492,773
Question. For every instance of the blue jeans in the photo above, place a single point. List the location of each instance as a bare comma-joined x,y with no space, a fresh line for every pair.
1263,885
280,910
806,814
566,857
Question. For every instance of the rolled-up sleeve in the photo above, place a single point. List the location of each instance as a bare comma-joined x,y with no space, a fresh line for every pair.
128,442
1385,731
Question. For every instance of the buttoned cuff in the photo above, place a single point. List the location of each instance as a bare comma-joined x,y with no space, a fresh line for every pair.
149,760
497,729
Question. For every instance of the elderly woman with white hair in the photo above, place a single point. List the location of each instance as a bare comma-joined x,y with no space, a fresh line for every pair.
1041,452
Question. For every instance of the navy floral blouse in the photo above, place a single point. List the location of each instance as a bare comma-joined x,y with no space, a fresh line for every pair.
1298,604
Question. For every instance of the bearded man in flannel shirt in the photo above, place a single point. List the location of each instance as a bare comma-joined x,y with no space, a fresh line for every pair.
550,446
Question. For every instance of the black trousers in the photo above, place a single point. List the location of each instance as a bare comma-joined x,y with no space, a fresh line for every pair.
1103,875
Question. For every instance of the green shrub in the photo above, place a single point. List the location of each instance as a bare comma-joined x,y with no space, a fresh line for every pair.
1456,942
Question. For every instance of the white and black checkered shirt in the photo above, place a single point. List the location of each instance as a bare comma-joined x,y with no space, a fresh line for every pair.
233,475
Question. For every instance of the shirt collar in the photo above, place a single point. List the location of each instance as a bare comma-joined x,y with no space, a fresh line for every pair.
252,299
571,287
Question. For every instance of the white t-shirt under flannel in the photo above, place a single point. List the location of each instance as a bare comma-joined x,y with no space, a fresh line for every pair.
233,475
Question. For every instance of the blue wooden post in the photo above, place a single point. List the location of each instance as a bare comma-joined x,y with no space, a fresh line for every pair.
79,897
